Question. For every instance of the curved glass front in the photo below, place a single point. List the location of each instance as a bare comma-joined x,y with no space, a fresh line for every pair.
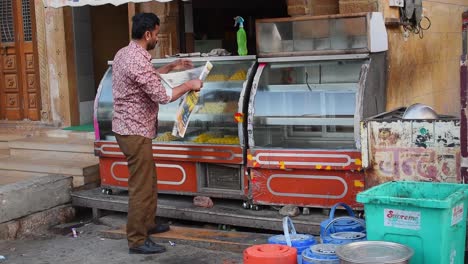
213,120
307,104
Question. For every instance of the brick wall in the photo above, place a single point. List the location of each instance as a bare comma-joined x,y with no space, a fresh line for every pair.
298,7
324,7
312,7
357,6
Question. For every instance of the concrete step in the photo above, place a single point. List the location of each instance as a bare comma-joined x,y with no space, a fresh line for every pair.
4,148
79,145
32,224
79,181
59,133
10,137
8,177
90,180
4,143
51,166
35,195
63,155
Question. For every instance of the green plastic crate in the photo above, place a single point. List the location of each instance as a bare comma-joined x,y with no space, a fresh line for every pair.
428,217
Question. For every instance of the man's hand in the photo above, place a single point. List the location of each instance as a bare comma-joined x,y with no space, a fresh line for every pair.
181,64
194,85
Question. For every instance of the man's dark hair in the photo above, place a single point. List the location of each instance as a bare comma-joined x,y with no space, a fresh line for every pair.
143,22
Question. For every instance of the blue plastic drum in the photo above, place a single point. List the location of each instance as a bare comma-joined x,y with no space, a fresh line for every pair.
342,238
345,225
299,241
320,254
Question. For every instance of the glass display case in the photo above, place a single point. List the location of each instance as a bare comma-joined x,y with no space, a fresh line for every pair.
317,78
209,159
214,118
305,104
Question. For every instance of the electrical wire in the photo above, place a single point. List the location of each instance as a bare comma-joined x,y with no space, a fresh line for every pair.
412,25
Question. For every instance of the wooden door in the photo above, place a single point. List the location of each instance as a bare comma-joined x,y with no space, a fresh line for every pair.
19,86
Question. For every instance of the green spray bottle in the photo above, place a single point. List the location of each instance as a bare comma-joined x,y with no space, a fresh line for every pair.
241,37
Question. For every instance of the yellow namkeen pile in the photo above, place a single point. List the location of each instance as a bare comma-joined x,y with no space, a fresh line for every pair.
227,140
216,78
212,108
218,108
239,75
166,137
202,138
211,138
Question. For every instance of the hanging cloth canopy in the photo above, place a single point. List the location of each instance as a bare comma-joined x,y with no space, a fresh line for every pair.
62,3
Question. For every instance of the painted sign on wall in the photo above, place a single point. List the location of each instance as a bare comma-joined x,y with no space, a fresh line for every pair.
411,150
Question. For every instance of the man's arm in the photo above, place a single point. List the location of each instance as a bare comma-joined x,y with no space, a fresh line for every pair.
192,85
151,84
180,64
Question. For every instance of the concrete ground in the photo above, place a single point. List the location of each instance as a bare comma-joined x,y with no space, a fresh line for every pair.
90,248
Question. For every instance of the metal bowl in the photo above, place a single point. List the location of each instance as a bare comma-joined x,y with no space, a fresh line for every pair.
420,111
371,252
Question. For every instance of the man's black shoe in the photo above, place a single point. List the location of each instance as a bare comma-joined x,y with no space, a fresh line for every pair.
149,247
160,228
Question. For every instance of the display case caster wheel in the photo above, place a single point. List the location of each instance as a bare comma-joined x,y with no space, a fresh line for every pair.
246,205
255,207
106,191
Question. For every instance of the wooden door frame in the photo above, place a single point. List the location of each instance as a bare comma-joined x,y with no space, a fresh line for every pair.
73,98
2,85
37,73
19,50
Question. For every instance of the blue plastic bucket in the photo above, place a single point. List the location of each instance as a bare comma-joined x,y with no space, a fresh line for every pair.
299,241
342,238
346,225
320,254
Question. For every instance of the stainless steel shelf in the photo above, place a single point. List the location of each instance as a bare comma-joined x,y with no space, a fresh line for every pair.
304,121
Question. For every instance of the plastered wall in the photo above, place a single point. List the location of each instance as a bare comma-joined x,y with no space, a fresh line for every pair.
427,70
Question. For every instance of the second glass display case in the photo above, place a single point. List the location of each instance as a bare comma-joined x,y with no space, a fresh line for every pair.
305,103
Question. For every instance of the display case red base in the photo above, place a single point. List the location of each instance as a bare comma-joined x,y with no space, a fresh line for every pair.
308,188
172,176
179,168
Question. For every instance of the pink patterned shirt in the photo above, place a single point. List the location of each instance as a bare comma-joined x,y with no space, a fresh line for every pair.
137,92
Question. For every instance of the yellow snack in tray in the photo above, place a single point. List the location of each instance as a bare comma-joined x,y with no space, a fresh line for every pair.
166,137
216,78
227,140
204,137
212,108
239,75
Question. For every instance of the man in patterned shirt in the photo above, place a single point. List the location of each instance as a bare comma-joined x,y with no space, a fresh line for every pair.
137,92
